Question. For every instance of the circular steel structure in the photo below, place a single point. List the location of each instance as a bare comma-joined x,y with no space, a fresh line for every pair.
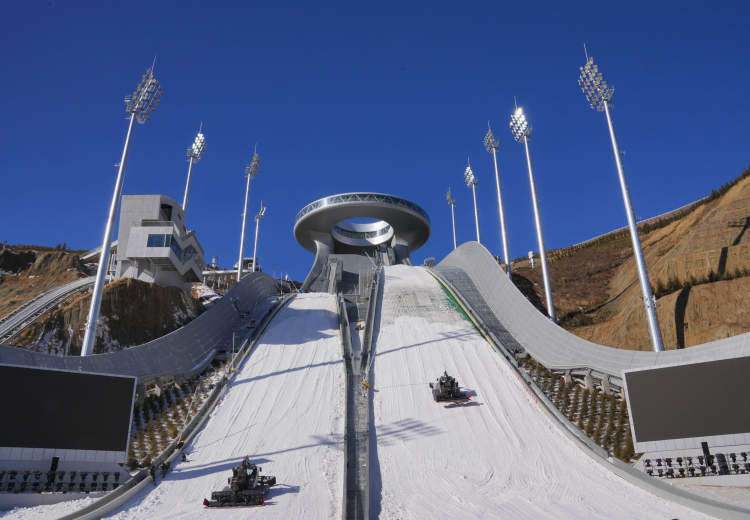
397,220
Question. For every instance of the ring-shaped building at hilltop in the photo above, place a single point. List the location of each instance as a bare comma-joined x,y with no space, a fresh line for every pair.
358,229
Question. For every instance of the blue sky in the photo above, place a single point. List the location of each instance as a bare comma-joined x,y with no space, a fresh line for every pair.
387,97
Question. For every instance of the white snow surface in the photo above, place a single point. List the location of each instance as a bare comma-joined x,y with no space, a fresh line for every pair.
45,512
205,294
499,456
285,409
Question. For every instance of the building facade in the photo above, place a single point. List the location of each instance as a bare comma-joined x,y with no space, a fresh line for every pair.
154,245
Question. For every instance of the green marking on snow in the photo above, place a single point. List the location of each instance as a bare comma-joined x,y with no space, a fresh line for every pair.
455,305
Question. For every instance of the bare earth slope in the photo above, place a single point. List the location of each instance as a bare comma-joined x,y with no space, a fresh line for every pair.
501,456
132,312
42,270
698,262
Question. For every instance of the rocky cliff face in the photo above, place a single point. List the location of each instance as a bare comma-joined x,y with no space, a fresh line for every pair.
132,312
698,261
13,262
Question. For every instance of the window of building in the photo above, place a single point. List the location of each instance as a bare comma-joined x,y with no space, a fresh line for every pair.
165,212
174,247
166,241
158,240
188,253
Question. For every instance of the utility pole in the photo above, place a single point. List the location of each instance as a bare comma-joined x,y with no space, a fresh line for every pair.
521,131
492,144
599,95
139,105
471,182
251,170
452,204
257,225
194,154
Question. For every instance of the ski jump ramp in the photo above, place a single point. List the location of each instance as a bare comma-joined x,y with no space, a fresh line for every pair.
285,409
476,276
500,455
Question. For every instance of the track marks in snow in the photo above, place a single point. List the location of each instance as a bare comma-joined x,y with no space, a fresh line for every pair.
285,408
499,456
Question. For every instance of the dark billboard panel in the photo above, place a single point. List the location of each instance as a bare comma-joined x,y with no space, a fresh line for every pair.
695,400
64,410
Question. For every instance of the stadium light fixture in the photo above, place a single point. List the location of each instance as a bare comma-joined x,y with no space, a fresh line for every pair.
257,224
492,144
599,95
471,182
194,154
519,127
139,105
251,170
452,204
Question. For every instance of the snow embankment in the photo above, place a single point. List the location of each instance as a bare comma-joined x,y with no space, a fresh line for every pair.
285,409
500,456
48,511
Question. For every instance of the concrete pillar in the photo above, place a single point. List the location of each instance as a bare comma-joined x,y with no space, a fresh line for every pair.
588,381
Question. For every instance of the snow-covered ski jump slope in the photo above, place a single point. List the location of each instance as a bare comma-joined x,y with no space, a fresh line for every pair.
285,408
500,456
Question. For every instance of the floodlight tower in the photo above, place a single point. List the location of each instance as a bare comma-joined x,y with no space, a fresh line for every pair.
139,105
452,204
492,144
250,171
599,95
471,182
257,224
521,131
194,154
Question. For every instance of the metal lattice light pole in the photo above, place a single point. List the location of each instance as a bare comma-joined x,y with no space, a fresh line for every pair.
492,144
521,130
194,154
599,95
257,225
139,105
452,204
471,182
250,171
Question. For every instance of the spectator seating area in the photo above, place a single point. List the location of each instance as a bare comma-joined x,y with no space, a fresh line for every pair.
698,465
15,481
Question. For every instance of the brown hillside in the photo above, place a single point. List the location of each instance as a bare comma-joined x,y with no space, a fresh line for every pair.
132,312
697,258
25,274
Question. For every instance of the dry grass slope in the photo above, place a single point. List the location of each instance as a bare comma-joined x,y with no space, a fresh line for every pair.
698,260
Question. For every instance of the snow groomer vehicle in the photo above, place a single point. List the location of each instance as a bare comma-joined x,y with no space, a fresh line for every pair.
446,388
247,487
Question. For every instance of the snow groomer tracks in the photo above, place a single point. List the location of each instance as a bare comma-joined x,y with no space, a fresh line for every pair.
285,409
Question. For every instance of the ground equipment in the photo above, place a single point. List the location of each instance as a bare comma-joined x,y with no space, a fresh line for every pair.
446,388
246,487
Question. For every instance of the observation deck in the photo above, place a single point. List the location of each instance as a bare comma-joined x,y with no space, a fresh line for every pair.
397,222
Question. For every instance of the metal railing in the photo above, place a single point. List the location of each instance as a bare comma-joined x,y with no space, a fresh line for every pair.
347,198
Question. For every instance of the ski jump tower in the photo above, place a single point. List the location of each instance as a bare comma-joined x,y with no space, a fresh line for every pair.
333,229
